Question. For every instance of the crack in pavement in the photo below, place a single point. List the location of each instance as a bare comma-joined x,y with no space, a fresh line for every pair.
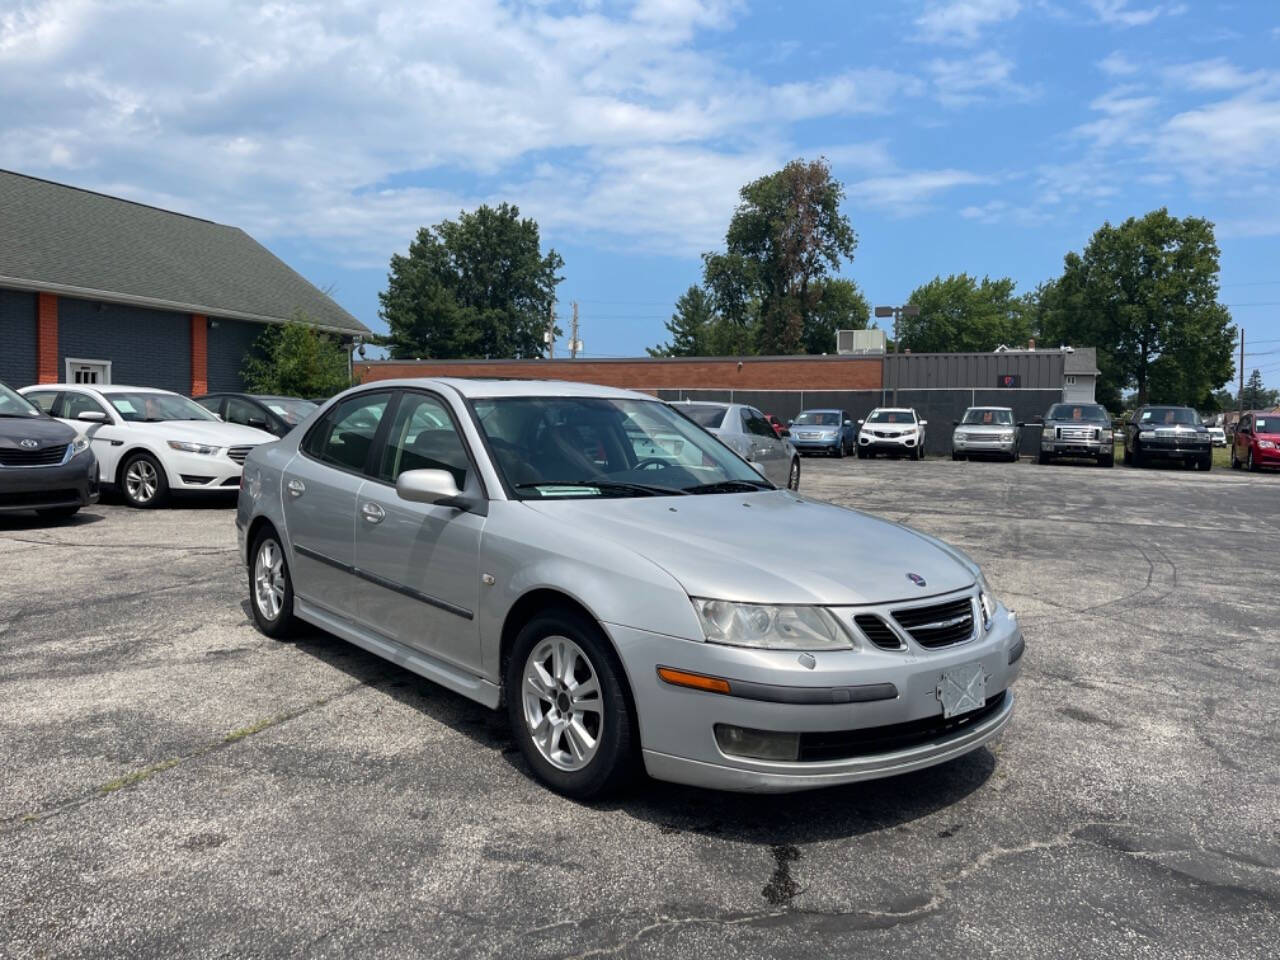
17,822
1094,833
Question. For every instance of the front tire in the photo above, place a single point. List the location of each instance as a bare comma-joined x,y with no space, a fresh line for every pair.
143,482
1253,467
1206,463
271,587
1043,458
1235,463
569,709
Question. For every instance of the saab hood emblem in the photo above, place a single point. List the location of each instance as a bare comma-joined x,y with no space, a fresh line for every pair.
29,444
915,578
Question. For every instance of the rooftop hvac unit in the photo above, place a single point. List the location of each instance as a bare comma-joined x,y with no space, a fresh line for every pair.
860,341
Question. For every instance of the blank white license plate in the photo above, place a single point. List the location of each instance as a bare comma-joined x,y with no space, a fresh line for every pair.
962,689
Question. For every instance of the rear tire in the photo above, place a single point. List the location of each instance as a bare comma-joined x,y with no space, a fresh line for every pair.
1128,457
587,744
58,513
271,587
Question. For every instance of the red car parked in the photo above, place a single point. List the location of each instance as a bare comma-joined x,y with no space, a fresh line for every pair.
1257,441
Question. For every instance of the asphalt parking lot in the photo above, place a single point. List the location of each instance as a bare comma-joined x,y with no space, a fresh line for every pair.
177,784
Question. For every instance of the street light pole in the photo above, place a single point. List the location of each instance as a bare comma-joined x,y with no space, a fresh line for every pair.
906,310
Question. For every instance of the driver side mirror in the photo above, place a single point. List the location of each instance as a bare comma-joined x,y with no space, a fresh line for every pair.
93,416
848,423
257,422
428,486
861,422
924,423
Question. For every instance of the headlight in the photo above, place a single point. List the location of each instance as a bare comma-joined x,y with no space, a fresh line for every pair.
1146,434
987,599
1007,435
1107,435
772,627
79,445
1266,445
186,447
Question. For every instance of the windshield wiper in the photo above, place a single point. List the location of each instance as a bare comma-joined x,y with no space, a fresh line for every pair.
648,489
731,486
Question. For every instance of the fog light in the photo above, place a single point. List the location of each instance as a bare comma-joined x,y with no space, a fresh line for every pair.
757,744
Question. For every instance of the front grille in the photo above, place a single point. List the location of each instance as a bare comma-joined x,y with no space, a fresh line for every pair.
847,744
877,631
239,454
39,498
44,457
938,625
1077,433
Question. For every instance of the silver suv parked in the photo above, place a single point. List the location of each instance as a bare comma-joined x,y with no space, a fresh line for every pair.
543,546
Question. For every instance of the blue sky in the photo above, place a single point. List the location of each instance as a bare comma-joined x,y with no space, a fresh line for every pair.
989,136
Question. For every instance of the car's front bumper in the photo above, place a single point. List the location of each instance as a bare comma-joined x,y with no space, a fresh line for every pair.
72,484
815,445
1266,456
893,444
1171,451
198,472
978,445
677,723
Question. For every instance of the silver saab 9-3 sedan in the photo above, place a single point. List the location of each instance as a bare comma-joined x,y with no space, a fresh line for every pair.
626,585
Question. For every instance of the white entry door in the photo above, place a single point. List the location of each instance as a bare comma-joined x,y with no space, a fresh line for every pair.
95,372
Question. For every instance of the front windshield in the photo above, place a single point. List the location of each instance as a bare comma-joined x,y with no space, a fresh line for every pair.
572,447
892,416
1171,416
819,418
15,404
155,407
975,415
1092,412
704,415
1266,425
289,410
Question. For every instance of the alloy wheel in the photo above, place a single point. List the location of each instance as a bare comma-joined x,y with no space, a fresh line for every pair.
268,580
563,705
793,477
141,481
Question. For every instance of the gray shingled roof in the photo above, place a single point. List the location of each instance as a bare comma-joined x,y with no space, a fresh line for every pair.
74,242
1082,360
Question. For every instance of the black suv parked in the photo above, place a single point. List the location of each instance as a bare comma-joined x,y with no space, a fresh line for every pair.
44,465
1159,432
276,415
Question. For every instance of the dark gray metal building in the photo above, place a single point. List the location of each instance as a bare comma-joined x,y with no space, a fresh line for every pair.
99,289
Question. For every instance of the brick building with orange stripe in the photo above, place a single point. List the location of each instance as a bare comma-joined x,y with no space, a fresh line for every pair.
99,289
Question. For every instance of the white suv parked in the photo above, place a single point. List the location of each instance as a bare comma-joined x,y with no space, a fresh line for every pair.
893,430
149,442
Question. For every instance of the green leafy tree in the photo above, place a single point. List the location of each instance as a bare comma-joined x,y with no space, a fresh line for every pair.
963,314
1145,293
785,238
478,286
296,360
840,306
1256,396
689,326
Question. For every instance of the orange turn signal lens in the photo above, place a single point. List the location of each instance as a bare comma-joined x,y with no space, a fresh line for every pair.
698,681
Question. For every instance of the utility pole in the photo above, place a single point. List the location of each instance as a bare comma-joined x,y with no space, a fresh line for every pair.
549,338
1240,395
906,310
574,343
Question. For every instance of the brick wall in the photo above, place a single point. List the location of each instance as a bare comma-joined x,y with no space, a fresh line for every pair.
199,354
48,363
716,373
147,348
17,338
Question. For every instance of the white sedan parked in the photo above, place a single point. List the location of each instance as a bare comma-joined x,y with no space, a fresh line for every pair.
149,442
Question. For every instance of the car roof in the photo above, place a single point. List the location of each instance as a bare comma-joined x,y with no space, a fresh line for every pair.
821,410
479,388
1010,409
103,388
894,410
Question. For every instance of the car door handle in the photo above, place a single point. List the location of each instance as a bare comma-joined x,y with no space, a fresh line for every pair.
296,488
373,513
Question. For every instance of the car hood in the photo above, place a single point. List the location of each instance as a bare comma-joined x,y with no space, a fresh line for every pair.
212,432
770,547
43,430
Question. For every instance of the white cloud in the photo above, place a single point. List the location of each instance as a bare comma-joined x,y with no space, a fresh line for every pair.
963,81
962,21
1120,13
1116,64
1239,133
1124,116
1218,74
908,192
350,122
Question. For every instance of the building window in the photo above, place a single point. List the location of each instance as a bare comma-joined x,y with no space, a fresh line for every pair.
88,371
1071,380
